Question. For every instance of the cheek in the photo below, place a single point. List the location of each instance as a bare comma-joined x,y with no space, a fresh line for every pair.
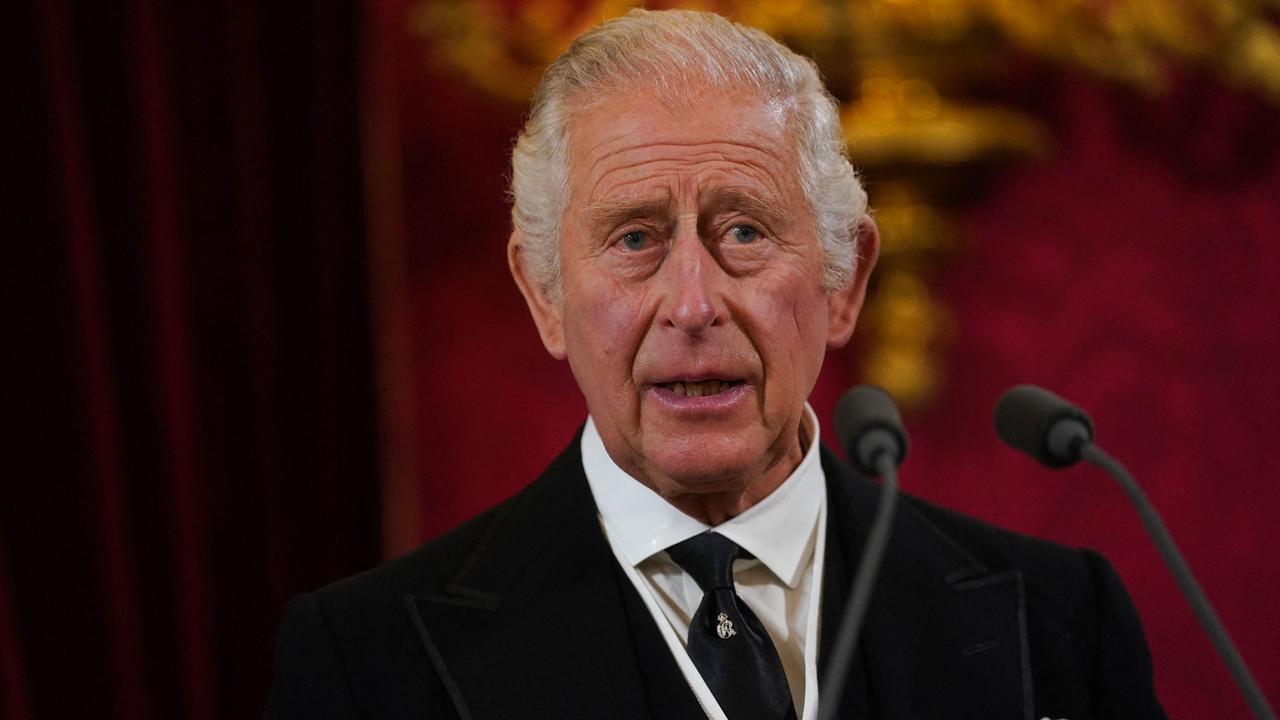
811,314
605,324
793,321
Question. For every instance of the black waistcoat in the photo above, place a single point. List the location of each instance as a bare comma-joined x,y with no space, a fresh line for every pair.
664,685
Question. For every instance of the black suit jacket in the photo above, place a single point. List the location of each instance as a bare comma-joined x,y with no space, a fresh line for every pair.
522,613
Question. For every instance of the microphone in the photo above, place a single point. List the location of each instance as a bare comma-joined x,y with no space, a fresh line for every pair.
868,424
1059,434
871,433
1043,425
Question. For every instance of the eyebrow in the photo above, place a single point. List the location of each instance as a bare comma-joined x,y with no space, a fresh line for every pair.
613,214
610,214
767,210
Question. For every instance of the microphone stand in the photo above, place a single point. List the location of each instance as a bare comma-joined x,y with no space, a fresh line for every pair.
868,569
1186,581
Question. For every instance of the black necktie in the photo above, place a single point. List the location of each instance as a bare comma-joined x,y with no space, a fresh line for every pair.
727,643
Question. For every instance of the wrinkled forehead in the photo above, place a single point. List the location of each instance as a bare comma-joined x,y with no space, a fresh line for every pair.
682,97
613,135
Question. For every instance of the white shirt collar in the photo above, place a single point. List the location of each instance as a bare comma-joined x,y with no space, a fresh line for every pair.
778,530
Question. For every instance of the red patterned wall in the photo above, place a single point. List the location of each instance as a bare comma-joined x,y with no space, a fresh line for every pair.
1136,271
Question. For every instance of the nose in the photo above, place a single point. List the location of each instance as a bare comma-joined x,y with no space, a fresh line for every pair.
692,272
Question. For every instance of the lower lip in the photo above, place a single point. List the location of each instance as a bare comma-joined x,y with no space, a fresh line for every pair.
720,403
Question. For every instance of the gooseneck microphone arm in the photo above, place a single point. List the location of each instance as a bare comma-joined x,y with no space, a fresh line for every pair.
1059,434
871,432
1186,580
856,608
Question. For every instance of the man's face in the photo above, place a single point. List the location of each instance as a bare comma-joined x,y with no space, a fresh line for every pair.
693,314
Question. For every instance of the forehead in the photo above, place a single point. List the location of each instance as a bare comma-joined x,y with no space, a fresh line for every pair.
633,144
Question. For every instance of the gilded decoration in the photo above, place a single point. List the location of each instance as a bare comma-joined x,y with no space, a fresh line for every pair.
910,75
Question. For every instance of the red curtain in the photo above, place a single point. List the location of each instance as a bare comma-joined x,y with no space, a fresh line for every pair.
193,390
1134,271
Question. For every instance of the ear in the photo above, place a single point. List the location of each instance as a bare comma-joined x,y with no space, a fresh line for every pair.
844,304
547,315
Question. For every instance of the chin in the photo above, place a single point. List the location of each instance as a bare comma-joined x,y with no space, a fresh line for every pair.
672,488
701,469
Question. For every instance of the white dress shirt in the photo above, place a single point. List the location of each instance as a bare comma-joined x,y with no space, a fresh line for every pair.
785,531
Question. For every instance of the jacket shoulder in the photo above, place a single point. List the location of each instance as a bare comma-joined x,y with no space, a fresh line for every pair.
999,548
350,649
427,568
1085,636
963,539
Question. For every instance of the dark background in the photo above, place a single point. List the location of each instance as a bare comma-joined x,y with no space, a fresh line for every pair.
193,404
231,348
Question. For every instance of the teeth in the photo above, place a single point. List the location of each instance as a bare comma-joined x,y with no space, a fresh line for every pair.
698,389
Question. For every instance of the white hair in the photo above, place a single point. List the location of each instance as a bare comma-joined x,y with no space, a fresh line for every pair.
671,51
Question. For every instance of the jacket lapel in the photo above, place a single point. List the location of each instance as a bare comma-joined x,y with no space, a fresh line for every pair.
541,579
944,636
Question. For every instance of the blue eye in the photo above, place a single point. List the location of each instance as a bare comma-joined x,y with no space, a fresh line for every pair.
634,240
744,234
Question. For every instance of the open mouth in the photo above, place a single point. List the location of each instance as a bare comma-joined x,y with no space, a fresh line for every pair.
699,388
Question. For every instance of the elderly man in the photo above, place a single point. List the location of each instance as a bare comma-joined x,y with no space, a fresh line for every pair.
691,238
